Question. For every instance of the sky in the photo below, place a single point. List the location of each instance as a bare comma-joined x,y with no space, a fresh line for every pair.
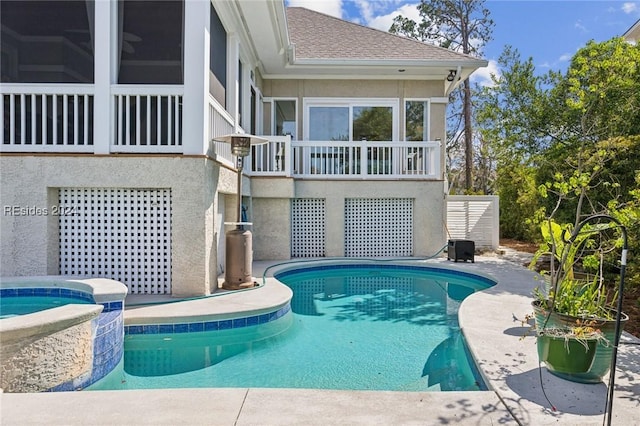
549,31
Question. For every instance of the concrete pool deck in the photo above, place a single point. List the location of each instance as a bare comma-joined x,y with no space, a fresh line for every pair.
490,321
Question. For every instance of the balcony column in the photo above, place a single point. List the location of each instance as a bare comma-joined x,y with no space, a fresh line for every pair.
233,85
105,44
195,106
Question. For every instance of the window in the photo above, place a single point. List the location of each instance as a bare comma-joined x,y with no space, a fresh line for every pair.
47,41
150,41
328,123
351,120
372,123
416,120
284,118
217,59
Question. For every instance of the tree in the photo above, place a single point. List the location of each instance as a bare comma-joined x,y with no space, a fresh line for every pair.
460,25
510,117
574,137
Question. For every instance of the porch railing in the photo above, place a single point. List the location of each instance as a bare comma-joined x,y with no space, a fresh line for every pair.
47,118
350,160
220,123
147,118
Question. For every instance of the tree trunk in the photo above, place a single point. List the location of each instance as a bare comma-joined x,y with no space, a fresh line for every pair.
468,140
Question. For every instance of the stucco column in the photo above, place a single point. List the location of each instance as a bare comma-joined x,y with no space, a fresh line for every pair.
334,212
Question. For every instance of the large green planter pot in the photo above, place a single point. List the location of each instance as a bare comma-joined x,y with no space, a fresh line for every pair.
602,359
565,355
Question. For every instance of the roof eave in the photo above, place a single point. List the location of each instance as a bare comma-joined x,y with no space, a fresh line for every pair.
394,63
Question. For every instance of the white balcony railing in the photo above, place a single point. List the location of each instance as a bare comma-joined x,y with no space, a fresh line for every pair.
272,158
47,118
147,118
220,123
346,160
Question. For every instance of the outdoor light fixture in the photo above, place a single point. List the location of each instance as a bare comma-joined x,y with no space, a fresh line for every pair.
452,75
238,248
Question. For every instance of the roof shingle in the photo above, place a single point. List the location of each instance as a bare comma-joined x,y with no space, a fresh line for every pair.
320,36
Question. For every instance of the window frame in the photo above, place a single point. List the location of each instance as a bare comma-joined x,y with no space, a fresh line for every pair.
394,103
427,118
273,101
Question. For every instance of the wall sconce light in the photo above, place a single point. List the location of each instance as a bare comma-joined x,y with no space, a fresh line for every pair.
452,75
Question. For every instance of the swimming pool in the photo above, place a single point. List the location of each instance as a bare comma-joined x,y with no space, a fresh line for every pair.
354,327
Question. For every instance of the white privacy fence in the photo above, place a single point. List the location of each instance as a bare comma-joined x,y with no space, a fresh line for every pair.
474,217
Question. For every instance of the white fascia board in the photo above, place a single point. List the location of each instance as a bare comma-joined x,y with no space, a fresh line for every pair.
278,17
466,63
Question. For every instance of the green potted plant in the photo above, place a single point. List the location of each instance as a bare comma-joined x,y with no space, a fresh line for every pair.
569,350
575,306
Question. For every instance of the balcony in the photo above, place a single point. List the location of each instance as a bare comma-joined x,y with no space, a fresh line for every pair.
345,160
59,118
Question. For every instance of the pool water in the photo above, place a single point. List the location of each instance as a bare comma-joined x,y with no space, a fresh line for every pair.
360,328
22,305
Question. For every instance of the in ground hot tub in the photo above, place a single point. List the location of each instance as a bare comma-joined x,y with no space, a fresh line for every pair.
59,333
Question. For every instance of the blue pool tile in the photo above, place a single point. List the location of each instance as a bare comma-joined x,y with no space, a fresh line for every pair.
166,328
211,326
112,306
134,329
239,322
225,324
262,319
151,329
181,328
196,327
253,320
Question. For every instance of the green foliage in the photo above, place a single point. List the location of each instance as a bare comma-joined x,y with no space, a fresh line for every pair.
567,294
602,86
583,299
568,145
516,186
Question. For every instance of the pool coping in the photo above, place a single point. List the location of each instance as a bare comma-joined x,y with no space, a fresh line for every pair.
489,320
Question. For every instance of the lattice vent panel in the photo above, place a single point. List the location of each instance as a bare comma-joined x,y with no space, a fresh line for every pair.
308,227
123,234
378,227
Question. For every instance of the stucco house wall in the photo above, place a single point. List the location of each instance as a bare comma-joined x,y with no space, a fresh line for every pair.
30,242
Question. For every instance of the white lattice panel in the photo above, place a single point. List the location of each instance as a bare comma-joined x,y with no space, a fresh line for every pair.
307,227
378,227
123,234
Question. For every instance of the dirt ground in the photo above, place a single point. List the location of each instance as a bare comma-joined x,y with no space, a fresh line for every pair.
630,301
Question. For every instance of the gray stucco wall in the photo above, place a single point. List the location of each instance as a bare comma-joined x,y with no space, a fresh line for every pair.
29,243
272,220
